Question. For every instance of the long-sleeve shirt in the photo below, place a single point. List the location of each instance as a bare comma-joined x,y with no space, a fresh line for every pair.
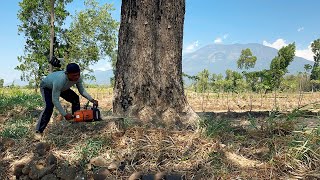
59,82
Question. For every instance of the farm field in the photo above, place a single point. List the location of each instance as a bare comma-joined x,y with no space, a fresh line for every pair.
223,102
230,143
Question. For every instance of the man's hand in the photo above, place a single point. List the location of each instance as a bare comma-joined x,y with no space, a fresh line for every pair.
68,116
95,102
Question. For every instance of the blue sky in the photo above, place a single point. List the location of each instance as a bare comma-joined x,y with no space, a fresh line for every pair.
274,23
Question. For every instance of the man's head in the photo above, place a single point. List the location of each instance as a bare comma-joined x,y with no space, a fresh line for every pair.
73,72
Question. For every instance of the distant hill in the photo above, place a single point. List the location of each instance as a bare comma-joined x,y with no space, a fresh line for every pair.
217,58
102,77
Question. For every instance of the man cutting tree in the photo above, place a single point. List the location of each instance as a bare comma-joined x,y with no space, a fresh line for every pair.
57,84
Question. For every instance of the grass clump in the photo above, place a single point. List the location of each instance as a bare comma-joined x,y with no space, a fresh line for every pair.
16,99
91,148
16,128
15,132
215,127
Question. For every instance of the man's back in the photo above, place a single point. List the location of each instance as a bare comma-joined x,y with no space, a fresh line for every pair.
57,80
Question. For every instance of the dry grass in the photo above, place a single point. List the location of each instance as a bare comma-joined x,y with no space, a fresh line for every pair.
269,146
221,102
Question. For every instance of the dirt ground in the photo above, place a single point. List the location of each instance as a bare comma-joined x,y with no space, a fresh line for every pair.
117,148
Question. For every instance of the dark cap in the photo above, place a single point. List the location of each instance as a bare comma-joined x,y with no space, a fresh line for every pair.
73,68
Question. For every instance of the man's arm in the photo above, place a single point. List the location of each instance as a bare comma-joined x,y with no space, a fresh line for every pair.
83,92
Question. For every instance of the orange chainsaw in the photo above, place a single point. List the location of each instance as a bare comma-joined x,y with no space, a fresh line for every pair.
87,114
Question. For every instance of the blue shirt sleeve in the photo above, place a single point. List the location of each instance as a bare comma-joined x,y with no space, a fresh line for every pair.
82,91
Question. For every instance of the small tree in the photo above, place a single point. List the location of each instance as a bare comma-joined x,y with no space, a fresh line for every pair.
307,69
35,20
92,36
234,81
278,67
315,73
203,81
203,84
279,64
246,59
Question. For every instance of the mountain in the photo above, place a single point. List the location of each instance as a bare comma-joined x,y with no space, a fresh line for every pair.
217,58
102,77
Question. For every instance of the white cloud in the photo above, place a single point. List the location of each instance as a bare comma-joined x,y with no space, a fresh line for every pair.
304,53
218,40
300,29
192,47
278,44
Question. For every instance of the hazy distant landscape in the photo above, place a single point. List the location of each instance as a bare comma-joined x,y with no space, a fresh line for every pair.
217,58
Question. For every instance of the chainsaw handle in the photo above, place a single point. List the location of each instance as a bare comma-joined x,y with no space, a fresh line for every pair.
95,105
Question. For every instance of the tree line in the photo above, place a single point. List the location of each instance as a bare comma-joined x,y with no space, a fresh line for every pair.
272,79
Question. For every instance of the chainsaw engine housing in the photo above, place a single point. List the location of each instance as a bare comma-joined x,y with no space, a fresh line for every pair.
87,115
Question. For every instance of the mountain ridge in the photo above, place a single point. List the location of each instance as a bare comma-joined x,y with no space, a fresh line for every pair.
217,58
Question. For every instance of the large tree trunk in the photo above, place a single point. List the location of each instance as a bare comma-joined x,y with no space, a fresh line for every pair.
148,78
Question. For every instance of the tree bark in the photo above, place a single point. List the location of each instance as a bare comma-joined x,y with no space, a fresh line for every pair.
148,77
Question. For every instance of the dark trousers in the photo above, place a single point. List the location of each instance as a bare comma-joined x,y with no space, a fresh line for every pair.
44,118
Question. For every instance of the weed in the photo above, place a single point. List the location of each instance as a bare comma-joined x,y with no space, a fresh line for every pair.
16,128
28,101
216,159
215,127
91,148
15,132
253,122
218,164
128,122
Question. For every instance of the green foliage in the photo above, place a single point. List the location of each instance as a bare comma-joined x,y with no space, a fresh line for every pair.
16,98
315,47
252,79
246,60
193,79
92,35
15,132
234,81
307,67
217,82
279,65
16,128
215,127
34,16
203,81
92,148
